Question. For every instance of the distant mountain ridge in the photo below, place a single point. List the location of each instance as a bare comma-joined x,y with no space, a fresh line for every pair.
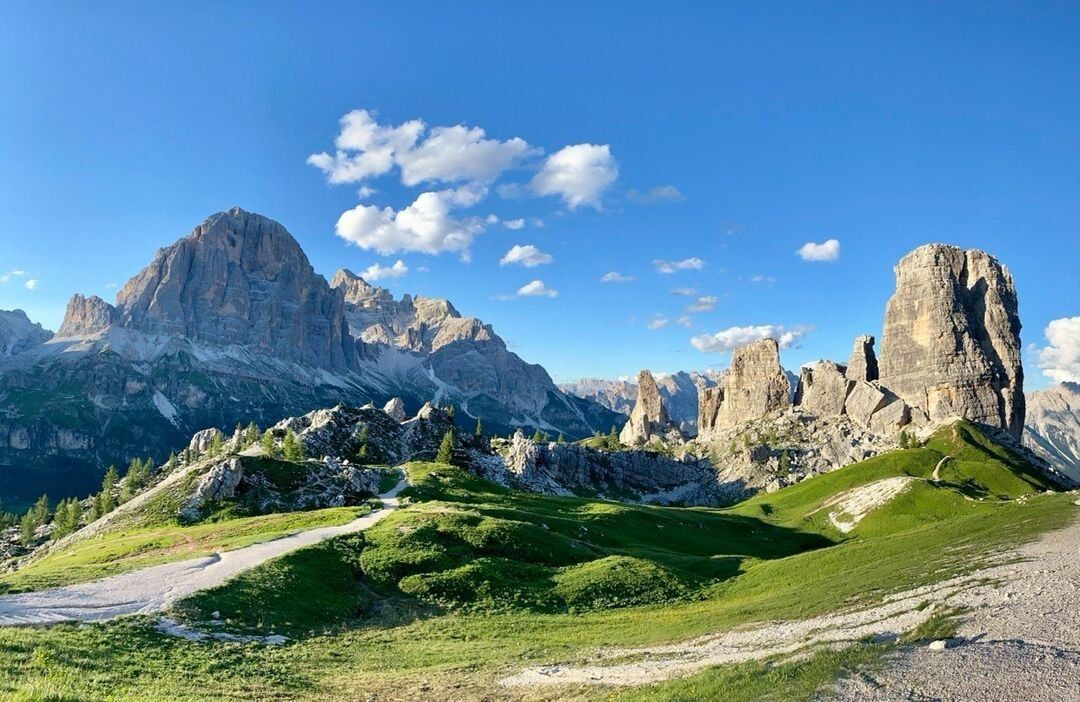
230,324
1052,426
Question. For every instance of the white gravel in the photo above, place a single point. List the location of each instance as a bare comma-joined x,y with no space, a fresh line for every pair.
156,588
1022,642
1019,643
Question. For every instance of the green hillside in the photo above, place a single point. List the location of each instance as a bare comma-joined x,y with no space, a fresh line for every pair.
473,581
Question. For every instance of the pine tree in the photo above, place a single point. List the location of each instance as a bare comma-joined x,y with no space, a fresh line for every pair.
108,482
170,464
446,448
215,444
291,448
41,509
268,443
251,434
479,433
905,442
561,439
538,437
613,434
450,411
97,511
34,517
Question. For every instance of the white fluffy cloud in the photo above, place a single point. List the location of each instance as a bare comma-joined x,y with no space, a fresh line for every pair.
425,226
17,273
536,288
366,149
687,264
579,174
1060,360
514,224
616,277
653,196
527,255
657,323
378,272
705,303
825,251
733,337
31,284
685,321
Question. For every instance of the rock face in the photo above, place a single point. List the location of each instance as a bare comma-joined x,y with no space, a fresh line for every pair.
231,324
1053,427
395,409
241,279
823,388
863,363
951,345
562,469
18,333
754,386
648,420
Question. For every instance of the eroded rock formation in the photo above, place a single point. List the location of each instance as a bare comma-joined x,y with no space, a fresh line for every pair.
951,344
754,386
648,420
823,388
863,363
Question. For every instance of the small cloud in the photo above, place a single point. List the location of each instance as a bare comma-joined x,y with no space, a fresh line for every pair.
31,284
527,255
706,303
510,191
536,288
1060,359
685,321
616,277
763,279
514,224
378,272
537,222
111,286
653,196
733,337
364,192
683,292
579,174
18,273
657,323
825,251
687,264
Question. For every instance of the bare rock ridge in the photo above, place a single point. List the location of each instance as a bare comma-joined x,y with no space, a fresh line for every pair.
754,386
951,344
1052,428
231,324
18,333
648,420
678,391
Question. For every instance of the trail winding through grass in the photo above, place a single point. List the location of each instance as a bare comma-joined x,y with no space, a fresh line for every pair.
155,588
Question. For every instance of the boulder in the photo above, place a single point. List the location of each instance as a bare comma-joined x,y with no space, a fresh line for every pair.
951,345
863,400
892,416
396,409
823,388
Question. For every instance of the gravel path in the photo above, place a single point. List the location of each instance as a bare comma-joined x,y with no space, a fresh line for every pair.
156,588
1022,641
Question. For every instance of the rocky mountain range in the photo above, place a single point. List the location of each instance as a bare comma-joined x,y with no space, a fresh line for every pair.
679,392
232,324
951,350
1052,426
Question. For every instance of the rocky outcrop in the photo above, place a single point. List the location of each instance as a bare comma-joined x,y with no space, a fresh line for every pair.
86,316
863,363
218,483
568,469
1052,428
648,420
823,388
18,333
678,391
951,344
754,386
395,409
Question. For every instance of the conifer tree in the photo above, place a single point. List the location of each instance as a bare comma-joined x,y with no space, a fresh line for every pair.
446,448
291,448
268,443
108,482
479,433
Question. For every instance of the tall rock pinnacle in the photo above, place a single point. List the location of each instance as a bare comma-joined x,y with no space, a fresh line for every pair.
754,386
951,344
648,419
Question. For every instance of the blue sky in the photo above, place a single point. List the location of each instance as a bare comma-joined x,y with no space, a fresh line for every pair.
735,134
